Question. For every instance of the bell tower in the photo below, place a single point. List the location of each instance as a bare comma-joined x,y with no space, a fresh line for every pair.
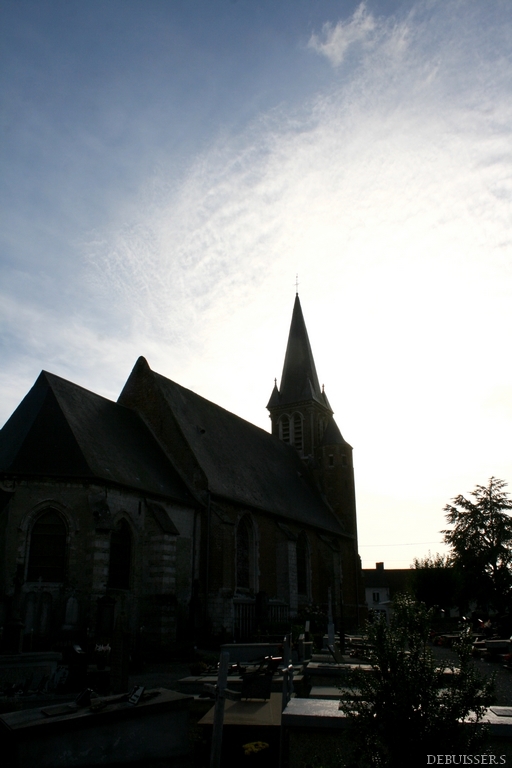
301,416
299,410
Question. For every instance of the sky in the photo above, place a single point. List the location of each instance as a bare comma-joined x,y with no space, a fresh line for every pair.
167,168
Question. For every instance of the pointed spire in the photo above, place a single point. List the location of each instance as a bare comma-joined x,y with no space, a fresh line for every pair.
299,380
274,397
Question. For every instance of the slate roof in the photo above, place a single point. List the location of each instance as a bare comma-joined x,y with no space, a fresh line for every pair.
396,579
61,429
243,462
332,435
299,380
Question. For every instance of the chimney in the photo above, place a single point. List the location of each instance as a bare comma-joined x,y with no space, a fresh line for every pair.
379,566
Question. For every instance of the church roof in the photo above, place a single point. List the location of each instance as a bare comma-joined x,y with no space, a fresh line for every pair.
299,379
61,429
241,461
332,434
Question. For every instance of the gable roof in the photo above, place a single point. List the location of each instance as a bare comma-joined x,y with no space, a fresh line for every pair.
240,461
61,429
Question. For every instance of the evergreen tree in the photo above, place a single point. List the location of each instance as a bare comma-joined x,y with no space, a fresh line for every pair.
434,581
481,541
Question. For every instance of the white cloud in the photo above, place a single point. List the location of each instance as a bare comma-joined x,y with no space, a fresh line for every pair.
390,195
335,41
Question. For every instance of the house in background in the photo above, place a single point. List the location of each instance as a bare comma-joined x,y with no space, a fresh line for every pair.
382,585
168,510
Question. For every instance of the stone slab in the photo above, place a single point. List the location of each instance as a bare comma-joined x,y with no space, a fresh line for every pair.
117,733
313,713
499,720
251,651
249,712
330,667
16,668
333,692
195,685
330,692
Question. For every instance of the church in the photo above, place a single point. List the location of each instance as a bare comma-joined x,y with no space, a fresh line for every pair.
169,510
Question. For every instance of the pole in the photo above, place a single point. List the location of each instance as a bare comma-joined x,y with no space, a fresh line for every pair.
218,717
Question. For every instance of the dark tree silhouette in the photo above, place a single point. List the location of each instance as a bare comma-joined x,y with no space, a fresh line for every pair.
434,581
481,541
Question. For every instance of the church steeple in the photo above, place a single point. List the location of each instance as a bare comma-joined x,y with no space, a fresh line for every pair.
299,410
299,380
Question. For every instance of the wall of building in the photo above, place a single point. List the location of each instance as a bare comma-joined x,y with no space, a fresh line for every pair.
160,573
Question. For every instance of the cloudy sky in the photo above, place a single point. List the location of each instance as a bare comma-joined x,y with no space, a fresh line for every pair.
169,166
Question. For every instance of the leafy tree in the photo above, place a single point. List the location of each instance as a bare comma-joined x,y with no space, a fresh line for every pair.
434,581
481,540
407,709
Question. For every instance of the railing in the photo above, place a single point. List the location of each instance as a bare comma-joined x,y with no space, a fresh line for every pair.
246,620
278,613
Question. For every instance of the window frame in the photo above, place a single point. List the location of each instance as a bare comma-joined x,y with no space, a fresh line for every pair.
39,548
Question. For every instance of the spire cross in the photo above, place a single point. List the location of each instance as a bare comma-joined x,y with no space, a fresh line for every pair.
297,284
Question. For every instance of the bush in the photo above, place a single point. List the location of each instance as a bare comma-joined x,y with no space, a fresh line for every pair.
407,706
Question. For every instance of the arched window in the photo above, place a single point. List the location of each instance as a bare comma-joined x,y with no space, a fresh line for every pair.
302,564
245,558
47,551
120,557
284,429
297,432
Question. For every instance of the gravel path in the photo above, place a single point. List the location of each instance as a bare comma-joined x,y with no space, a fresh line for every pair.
503,685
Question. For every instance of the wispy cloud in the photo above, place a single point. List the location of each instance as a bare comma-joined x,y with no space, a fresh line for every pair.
397,162
390,192
336,39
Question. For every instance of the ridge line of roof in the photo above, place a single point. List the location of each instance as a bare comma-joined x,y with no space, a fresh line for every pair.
215,405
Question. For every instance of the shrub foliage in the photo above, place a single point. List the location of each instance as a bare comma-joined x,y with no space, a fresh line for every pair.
409,705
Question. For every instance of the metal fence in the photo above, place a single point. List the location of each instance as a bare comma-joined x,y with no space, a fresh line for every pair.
245,618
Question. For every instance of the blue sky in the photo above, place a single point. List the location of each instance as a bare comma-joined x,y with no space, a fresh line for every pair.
168,167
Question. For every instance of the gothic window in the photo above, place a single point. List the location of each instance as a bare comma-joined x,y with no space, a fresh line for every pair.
297,432
284,429
245,559
302,564
120,557
47,550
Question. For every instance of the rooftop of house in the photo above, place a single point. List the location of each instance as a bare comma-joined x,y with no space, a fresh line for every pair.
395,579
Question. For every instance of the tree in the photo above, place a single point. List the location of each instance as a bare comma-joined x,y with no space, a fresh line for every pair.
481,540
405,709
434,581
